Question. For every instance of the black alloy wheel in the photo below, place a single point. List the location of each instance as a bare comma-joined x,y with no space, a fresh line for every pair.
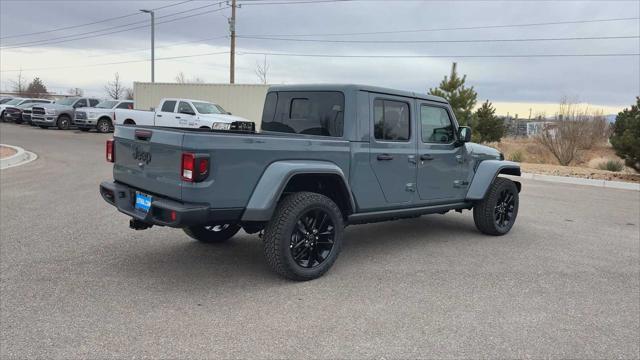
312,239
505,207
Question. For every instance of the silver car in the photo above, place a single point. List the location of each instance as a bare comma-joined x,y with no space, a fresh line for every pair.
100,117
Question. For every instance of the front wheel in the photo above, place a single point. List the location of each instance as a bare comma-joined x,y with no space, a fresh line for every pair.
497,212
64,122
304,237
215,233
103,126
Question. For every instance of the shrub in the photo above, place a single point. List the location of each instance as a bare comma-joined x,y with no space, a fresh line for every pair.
516,156
611,165
565,136
626,135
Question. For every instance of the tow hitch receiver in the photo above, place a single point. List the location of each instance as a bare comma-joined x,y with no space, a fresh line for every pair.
136,224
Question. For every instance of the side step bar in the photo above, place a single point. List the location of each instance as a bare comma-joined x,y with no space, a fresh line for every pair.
376,216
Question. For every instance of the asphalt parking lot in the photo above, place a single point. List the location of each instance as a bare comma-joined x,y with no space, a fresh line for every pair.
77,283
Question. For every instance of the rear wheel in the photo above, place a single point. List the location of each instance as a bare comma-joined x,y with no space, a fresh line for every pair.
215,233
103,126
64,122
497,212
304,237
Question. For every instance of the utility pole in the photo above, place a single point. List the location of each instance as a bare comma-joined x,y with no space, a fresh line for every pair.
153,48
232,30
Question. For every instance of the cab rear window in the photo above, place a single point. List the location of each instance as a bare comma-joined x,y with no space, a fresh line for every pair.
304,112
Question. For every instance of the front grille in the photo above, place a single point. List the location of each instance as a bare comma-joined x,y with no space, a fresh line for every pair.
26,117
12,110
81,115
38,111
26,111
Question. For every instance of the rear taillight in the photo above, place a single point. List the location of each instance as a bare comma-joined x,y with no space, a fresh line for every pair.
111,154
195,168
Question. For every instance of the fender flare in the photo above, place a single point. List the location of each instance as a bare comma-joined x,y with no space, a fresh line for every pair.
486,172
276,176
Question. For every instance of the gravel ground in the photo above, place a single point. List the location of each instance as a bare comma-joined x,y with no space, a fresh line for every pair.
75,282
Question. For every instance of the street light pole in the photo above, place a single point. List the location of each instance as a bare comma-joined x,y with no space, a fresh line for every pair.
153,48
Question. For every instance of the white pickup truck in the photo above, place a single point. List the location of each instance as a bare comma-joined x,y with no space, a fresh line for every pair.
184,113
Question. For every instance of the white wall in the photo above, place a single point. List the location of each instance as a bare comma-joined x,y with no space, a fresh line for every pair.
241,100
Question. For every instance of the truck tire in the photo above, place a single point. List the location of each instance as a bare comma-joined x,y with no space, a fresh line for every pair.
497,212
103,126
211,234
64,122
304,237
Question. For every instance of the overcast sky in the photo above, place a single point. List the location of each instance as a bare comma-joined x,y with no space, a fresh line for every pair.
610,80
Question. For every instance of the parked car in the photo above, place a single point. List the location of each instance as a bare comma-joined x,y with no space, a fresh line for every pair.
11,109
5,99
61,113
180,113
327,156
101,116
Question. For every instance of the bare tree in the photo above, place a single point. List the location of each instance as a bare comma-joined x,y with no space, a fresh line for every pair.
115,89
262,70
75,92
181,78
19,85
564,137
128,93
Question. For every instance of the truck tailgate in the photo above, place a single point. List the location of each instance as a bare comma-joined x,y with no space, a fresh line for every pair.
149,159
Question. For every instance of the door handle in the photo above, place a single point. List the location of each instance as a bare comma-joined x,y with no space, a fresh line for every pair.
177,117
424,157
158,115
384,157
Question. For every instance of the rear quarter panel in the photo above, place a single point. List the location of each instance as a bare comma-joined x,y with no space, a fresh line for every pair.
238,161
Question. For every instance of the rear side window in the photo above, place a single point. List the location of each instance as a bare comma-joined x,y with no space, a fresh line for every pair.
93,102
80,103
391,120
304,112
168,106
125,105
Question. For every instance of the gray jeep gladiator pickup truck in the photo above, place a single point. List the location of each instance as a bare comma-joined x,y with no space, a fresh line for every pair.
327,156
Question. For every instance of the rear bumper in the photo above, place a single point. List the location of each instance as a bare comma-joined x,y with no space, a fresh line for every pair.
163,211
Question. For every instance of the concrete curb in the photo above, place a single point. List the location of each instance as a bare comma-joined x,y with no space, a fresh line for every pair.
21,157
580,181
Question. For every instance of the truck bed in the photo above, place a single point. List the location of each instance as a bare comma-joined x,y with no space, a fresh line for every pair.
237,160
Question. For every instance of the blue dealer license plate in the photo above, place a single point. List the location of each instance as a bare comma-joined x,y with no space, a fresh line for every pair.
143,202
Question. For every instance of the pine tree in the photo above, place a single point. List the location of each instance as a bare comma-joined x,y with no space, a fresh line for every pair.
626,135
461,98
36,88
487,125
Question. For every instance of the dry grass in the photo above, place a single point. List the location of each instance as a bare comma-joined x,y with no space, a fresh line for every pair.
586,163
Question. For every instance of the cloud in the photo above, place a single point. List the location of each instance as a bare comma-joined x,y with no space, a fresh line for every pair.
600,80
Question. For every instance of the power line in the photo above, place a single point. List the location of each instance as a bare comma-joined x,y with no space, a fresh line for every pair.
440,41
439,56
455,28
162,47
119,62
114,32
91,23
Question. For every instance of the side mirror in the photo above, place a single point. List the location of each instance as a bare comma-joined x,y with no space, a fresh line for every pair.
464,134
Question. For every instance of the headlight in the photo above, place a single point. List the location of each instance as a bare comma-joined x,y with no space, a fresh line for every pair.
220,126
50,111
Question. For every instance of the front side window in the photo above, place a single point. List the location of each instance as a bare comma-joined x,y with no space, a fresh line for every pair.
93,102
168,106
304,112
207,108
107,104
436,125
80,103
185,108
391,120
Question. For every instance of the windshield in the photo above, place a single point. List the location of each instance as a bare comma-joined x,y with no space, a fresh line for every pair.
207,108
107,104
13,101
68,101
3,101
